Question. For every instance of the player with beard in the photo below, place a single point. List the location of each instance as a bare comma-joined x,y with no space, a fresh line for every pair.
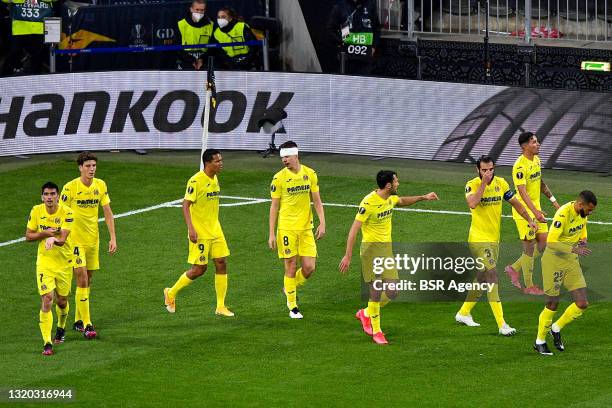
560,267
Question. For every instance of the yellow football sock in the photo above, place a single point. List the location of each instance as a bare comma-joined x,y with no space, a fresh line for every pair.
77,314
82,304
470,301
220,289
518,264
544,323
498,312
571,313
493,294
46,324
290,292
527,265
62,315
466,308
300,279
374,313
182,282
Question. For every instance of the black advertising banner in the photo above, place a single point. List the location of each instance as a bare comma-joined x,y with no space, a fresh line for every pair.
326,113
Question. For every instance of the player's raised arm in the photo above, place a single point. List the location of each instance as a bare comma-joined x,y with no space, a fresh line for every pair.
350,242
318,205
110,224
549,194
274,206
409,200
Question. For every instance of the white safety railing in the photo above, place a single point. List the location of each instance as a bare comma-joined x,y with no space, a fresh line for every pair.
582,20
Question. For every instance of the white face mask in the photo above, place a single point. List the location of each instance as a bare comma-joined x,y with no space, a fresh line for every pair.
222,22
197,16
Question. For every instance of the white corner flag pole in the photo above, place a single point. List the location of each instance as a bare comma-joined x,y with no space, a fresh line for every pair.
211,99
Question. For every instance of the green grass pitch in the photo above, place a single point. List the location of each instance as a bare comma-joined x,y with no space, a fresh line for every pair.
145,356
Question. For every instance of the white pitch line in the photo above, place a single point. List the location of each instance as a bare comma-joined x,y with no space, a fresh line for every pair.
255,200
125,214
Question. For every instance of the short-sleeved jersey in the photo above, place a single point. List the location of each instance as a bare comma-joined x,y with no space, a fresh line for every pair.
85,203
527,173
486,217
376,214
567,225
58,257
293,190
204,192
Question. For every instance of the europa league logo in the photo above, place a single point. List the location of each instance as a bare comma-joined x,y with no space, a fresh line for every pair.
137,34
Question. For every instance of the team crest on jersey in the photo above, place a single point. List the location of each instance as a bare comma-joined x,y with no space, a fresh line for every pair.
361,210
520,175
57,220
557,224
96,192
305,177
497,189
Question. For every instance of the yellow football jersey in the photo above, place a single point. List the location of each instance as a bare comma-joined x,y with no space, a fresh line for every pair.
57,258
486,217
85,202
294,190
376,214
527,173
204,192
567,225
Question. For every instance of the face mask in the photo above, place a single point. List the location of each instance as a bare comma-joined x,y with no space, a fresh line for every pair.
222,22
197,16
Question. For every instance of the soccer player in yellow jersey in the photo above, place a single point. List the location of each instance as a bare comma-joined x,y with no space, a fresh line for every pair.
528,182
85,195
291,190
50,224
484,195
560,267
374,220
206,239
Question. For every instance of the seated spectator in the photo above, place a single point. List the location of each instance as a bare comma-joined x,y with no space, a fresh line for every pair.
232,30
195,28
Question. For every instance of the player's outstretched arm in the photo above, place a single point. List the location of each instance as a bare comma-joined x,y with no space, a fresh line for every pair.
109,218
350,242
274,206
318,205
406,201
514,202
193,235
549,194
